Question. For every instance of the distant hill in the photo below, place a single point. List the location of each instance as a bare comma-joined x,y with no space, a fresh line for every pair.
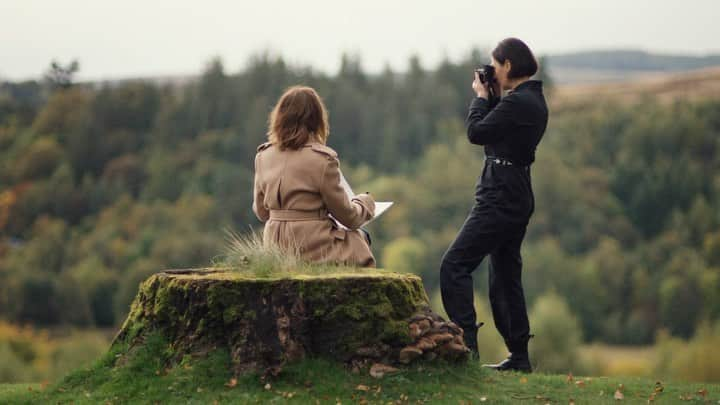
618,65
631,60
664,86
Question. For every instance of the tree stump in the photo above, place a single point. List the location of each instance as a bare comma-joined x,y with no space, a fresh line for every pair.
264,322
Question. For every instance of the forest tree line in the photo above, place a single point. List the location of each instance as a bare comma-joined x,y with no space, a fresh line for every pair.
103,184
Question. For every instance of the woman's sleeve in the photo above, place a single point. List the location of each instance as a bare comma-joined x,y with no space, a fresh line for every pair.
350,212
485,126
259,196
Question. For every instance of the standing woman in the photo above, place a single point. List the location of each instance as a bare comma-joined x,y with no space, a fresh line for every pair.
504,202
297,184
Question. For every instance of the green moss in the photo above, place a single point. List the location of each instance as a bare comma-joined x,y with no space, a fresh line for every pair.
345,311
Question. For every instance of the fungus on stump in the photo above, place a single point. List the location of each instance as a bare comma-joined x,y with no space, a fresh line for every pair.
264,322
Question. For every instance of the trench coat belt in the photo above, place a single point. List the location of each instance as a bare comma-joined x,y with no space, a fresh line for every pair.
298,215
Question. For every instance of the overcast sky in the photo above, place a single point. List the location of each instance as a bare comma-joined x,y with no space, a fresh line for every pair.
129,38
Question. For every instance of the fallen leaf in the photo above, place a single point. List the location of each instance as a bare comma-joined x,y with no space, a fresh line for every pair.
569,377
687,397
232,383
702,392
378,370
268,386
572,402
580,383
361,387
199,389
619,395
483,399
523,380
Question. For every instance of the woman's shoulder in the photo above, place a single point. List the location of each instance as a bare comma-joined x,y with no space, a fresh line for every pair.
323,150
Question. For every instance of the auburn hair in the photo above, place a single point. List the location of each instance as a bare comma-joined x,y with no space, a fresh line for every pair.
298,117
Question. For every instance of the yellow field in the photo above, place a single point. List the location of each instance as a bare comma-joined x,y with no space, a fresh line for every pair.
665,87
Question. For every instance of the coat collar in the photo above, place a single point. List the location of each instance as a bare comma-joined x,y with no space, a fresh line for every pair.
530,84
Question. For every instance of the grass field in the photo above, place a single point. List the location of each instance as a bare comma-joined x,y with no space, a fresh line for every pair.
145,376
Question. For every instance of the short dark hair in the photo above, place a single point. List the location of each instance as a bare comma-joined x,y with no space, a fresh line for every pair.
521,58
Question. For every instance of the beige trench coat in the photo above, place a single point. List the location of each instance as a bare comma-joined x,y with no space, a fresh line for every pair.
294,191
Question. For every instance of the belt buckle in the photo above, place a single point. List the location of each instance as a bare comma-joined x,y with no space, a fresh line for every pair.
497,161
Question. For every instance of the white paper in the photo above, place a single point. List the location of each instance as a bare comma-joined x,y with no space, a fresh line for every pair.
380,207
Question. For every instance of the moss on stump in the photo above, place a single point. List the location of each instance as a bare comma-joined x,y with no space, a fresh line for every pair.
263,322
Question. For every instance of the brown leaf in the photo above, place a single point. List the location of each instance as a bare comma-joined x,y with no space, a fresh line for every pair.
619,395
687,397
569,378
378,370
232,383
580,383
702,392
361,387
523,380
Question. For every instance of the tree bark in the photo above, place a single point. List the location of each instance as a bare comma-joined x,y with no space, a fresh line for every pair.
265,322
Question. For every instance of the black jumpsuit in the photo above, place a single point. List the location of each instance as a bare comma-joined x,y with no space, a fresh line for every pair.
496,224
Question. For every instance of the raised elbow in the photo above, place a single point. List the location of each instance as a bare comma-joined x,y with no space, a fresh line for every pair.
261,213
475,135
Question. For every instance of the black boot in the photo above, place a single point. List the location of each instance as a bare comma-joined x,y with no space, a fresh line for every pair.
470,338
514,362
518,360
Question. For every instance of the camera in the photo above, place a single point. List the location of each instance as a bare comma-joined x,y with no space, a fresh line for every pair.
486,73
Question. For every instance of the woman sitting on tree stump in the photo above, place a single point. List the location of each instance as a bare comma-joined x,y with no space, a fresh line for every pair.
297,186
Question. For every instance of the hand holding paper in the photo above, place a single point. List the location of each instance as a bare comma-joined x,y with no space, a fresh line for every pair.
380,207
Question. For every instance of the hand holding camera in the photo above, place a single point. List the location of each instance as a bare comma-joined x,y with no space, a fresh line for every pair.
479,87
486,85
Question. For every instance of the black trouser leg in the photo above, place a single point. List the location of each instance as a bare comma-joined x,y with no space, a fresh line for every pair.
498,301
507,298
474,241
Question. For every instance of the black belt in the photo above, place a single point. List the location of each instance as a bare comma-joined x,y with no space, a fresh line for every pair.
499,161
504,162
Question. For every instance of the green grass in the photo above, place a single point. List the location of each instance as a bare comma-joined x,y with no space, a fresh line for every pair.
143,376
